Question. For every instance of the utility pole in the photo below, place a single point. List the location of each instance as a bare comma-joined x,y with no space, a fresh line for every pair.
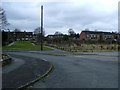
41,28
8,38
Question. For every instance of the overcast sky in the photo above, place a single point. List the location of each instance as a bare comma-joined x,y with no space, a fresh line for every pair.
101,15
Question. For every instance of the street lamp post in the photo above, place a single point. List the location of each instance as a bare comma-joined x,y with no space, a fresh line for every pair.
41,28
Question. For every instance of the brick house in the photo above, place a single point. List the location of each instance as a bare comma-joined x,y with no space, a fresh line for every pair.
96,36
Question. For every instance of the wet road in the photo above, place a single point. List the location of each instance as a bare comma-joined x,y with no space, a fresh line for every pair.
77,71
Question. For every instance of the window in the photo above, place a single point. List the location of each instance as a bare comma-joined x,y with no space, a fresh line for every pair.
87,36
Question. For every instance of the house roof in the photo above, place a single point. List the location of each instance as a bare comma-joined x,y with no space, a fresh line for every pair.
27,33
56,35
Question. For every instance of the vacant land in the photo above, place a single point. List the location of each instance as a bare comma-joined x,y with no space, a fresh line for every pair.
23,46
89,47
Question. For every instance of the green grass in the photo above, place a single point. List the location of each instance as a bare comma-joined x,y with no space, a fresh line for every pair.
24,46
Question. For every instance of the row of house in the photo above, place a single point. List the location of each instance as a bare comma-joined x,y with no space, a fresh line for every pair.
18,35
93,36
83,36
99,36
8,37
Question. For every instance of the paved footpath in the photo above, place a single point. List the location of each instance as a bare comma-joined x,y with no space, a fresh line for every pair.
11,44
22,71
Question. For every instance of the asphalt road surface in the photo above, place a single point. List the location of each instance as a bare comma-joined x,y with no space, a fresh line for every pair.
76,71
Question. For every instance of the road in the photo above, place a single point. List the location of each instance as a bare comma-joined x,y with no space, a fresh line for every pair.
76,71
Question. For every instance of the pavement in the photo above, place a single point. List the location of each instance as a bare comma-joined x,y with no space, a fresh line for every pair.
11,44
22,71
57,52
71,71
113,54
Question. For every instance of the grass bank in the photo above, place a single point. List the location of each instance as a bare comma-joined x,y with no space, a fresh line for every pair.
24,46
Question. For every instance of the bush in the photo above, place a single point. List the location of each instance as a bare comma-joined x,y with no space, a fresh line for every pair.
6,60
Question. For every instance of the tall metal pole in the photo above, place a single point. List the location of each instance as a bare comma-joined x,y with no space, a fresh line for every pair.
41,28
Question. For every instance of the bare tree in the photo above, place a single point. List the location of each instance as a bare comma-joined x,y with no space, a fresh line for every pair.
58,33
17,30
71,32
38,31
3,19
37,34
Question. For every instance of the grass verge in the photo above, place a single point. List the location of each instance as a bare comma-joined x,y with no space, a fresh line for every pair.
24,46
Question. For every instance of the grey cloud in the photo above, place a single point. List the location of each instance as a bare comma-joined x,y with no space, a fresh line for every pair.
60,16
84,15
18,11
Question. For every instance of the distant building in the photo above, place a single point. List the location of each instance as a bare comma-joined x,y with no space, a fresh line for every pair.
23,36
55,36
16,36
97,36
